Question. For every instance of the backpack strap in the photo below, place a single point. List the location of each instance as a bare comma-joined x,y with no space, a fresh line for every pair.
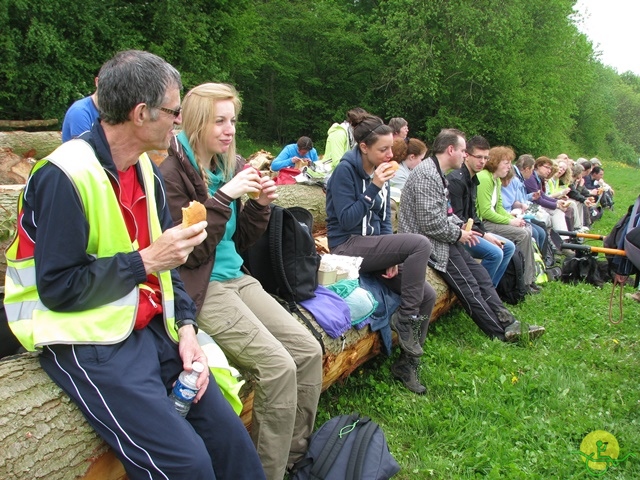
359,449
331,449
276,223
293,308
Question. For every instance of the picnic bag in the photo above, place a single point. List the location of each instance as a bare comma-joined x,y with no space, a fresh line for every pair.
285,261
347,447
512,287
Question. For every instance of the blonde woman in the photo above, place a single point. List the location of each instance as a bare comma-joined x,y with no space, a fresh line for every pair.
256,333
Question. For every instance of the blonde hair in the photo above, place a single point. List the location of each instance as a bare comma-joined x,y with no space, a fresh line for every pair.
198,111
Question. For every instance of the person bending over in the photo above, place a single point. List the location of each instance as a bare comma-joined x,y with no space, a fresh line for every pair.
295,154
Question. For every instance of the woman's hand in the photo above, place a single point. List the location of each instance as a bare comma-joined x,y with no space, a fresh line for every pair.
383,173
391,272
268,191
245,181
517,222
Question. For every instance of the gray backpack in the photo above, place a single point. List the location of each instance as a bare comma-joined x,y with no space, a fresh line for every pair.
347,447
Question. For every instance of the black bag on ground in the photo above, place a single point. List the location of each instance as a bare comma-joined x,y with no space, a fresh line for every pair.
582,268
347,447
285,260
512,288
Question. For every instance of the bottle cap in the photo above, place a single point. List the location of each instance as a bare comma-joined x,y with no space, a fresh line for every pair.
197,367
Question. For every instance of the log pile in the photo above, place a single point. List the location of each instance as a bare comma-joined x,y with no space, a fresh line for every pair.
43,435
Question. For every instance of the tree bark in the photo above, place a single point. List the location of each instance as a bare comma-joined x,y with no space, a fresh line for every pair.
28,123
43,143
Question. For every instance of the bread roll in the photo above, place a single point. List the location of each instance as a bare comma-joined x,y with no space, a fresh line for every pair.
394,165
469,225
193,214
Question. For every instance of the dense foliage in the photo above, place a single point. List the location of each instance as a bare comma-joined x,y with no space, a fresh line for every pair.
518,72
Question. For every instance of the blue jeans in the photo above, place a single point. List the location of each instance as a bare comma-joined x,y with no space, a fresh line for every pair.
538,233
494,258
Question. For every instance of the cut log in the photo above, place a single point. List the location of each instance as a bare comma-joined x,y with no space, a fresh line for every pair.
28,123
21,142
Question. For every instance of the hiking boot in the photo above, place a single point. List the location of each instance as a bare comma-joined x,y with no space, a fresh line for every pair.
633,296
406,370
533,289
403,326
512,332
535,331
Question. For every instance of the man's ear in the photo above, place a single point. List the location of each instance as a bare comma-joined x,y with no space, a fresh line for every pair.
139,113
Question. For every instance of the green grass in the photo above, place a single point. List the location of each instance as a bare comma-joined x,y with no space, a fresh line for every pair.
504,411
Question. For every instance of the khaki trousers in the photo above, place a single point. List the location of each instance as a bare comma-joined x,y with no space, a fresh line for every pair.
259,336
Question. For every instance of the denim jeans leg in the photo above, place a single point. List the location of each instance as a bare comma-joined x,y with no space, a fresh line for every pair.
490,254
508,249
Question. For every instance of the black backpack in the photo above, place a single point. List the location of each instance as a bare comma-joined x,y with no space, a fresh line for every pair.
616,239
512,288
583,267
347,447
285,260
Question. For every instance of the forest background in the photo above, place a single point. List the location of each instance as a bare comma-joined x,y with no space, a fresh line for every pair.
518,72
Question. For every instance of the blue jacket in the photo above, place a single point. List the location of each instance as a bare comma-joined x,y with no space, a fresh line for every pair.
285,157
355,205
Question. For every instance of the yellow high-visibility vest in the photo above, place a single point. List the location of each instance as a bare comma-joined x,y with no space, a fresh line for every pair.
33,324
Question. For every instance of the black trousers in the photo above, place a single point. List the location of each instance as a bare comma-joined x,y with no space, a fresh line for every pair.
472,284
122,390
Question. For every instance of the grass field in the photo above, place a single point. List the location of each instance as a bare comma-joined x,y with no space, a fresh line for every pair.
496,410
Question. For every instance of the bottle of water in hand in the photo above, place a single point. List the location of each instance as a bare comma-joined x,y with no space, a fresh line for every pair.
185,390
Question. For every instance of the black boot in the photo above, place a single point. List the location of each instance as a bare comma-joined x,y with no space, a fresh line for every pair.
405,369
403,325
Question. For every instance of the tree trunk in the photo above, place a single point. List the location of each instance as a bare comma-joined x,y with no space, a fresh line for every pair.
42,143
28,123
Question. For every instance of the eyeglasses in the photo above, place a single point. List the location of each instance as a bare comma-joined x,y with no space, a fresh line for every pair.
479,157
170,111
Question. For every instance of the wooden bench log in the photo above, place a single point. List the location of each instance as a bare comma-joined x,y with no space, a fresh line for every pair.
44,436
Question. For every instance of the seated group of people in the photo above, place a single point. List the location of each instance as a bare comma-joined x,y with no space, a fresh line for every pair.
105,281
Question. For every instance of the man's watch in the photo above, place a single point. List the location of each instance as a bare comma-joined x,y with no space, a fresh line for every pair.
186,321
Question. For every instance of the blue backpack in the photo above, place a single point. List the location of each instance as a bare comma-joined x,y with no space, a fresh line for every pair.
347,447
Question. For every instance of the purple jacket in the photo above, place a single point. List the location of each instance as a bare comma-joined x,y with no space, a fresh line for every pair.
533,184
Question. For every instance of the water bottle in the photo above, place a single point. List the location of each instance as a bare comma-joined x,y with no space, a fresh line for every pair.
185,389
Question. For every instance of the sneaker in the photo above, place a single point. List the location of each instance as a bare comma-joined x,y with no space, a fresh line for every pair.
408,375
403,326
633,296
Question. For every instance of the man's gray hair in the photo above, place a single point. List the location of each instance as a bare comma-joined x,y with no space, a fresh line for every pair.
132,77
